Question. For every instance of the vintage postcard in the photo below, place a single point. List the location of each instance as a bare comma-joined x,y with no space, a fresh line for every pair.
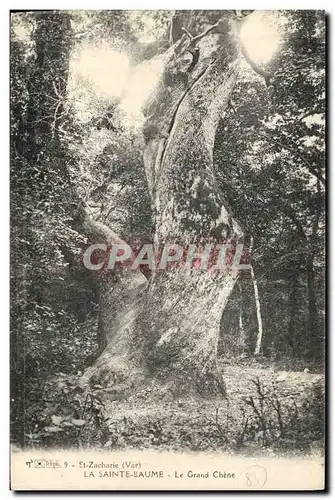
168,249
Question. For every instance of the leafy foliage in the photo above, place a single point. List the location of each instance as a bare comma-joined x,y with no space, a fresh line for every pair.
270,161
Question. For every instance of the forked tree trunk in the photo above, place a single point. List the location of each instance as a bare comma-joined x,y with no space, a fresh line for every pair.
172,338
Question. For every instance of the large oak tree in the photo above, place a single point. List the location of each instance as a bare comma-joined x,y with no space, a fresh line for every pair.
166,327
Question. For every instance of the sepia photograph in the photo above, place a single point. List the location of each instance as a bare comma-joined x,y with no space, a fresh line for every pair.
167,249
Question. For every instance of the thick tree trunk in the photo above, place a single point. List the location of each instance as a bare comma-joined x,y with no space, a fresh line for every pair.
172,336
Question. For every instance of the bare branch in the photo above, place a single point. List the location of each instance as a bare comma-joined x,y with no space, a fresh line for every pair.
187,33
196,39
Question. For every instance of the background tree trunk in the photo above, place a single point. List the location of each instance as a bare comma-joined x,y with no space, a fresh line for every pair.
241,326
293,304
257,305
313,326
258,313
312,307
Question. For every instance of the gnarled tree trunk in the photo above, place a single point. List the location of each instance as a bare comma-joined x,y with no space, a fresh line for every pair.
172,330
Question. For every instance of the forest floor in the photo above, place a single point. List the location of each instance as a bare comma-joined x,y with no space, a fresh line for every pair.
270,411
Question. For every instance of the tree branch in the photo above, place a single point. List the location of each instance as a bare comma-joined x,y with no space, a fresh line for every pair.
311,113
98,232
197,38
